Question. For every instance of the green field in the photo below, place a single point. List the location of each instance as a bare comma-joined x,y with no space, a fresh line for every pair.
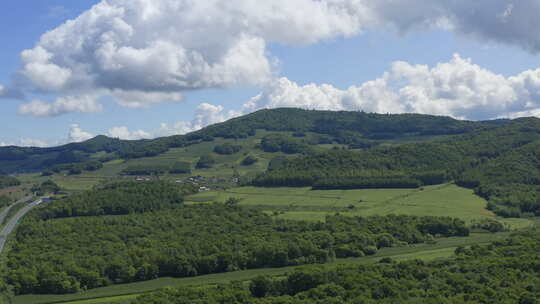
306,204
444,248
225,166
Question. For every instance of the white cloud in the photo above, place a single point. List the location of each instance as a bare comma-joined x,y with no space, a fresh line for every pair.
136,99
27,142
456,88
126,134
145,52
529,113
205,115
62,105
76,134
500,21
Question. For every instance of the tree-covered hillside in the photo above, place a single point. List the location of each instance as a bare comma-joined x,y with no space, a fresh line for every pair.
352,128
501,164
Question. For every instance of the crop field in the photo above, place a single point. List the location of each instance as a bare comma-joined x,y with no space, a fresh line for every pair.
313,205
444,248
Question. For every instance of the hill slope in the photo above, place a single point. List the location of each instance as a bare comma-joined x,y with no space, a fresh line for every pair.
502,164
351,128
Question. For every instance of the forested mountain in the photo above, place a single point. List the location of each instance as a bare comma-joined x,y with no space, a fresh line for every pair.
352,128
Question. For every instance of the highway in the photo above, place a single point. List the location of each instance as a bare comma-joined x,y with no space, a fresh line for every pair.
4,213
12,222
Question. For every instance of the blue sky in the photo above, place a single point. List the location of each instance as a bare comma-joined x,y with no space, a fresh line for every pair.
478,67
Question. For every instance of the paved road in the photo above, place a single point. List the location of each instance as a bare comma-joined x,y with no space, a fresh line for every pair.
12,223
4,213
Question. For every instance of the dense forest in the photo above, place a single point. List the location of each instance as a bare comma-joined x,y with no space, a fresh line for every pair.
65,255
503,272
117,199
357,129
502,165
285,144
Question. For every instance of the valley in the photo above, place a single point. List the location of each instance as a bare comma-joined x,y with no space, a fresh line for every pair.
264,196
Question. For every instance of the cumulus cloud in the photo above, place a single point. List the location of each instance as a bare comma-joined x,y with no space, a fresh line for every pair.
500,21
62,105
124,133
26,142
76,134
145,52
456,88
205,115
136,99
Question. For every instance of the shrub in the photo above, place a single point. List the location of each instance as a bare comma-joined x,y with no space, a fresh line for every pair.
249,160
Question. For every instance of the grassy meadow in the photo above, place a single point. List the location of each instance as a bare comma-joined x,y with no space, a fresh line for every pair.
314,205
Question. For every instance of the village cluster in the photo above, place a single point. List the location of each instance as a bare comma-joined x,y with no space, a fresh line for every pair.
200,181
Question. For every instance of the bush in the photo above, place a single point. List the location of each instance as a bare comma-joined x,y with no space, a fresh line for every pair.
227,149
249,160
490,225
205,162
278,143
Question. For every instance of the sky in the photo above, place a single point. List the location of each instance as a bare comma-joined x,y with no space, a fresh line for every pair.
132,69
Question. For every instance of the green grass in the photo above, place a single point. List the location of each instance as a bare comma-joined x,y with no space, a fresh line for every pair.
444,248
314,205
